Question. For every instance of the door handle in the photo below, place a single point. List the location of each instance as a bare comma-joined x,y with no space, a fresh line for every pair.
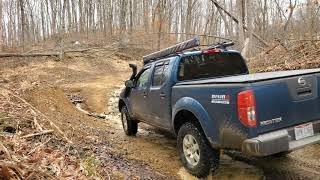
162,95
144,94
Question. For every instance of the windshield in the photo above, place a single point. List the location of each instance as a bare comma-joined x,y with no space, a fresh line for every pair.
211,65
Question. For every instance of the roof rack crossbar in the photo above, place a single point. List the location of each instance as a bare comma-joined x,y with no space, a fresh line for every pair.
194,42
222,45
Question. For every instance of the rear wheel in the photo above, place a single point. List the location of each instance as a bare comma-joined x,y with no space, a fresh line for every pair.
130,126
281,154
195,152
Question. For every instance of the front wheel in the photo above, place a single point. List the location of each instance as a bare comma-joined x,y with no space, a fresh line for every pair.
130,126
195,152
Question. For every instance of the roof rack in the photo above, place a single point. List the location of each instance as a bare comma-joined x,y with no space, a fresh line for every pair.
194,42
222,45
191,43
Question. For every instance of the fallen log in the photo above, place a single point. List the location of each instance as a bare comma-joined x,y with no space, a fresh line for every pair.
28,55
38,134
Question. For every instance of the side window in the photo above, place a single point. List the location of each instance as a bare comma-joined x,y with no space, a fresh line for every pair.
160,74
165,72
157,76
142,82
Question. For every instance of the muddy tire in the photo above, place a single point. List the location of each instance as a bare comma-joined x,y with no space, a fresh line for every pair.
281,154
130,126
195,152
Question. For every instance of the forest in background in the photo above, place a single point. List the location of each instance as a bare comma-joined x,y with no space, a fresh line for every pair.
157,23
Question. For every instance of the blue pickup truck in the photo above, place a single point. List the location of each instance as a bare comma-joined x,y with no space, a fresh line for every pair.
208,99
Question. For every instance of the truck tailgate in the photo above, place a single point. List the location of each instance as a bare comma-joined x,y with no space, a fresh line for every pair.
286,102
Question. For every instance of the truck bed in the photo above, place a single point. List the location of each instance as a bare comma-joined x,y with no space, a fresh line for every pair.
281,101
250,78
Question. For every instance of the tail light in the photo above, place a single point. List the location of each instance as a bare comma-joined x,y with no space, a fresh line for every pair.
211,51
247,108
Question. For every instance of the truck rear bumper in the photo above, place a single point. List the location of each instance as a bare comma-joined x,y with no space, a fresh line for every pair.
279,141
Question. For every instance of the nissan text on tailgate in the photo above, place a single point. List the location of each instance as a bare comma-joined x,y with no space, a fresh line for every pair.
208,99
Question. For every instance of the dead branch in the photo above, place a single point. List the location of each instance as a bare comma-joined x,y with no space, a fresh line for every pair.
237,21
92,114
38,134
35,121
3,118
32,50
36,124
311,40
38,147
78,50
5,150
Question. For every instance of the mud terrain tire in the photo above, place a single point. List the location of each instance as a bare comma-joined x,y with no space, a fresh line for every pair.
281,154
209,158
130,126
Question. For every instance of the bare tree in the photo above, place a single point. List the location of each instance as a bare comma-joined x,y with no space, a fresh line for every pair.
29,21
22,22
123,11
1,26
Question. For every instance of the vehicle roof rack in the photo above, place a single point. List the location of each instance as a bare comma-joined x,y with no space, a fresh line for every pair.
222,45
194,42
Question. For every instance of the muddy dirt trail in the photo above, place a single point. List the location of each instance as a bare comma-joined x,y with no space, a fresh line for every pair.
158,149
101,143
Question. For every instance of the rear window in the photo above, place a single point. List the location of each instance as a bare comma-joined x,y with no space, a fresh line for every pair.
211,65
159,76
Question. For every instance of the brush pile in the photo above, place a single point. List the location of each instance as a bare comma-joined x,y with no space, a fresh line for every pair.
294,55
31,147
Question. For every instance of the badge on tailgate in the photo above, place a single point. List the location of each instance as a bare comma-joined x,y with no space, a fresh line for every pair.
303,131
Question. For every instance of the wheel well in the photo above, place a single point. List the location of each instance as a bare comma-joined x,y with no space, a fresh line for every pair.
182,117
121,104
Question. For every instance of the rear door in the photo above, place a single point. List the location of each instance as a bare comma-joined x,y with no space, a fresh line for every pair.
159,96
287,102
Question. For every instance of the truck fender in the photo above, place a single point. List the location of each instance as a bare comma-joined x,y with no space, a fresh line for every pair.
208,126
124,102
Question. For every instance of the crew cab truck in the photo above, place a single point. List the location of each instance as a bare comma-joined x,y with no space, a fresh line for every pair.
208,99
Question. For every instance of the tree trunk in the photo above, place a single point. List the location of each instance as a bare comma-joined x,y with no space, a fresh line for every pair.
226,25
131,16
285,28
1,27
54,16
123,11
22,21
81,16
240,6
189,16
110,16
42,22
146,15
249,6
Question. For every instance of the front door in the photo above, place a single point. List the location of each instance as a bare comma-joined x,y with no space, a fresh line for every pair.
139,95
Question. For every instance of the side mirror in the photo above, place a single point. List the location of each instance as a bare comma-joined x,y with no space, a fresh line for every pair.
129,84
